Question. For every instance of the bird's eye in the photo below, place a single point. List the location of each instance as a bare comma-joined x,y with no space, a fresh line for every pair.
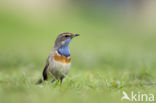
66,36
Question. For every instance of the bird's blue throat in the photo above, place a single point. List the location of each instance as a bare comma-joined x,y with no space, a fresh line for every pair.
64,49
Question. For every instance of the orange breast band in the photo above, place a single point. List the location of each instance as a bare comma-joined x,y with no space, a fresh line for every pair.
60,58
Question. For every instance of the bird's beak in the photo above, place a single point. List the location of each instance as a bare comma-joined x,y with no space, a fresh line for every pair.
75,35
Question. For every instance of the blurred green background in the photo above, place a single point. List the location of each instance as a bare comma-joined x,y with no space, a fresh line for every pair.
116,50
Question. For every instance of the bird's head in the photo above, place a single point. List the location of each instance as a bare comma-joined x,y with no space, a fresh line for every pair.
64,39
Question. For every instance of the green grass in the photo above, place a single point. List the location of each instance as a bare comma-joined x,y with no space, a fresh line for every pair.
105,62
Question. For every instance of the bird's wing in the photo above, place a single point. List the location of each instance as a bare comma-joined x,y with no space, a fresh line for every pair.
45,75
45,71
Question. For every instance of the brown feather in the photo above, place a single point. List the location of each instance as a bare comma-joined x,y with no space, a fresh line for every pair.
62,59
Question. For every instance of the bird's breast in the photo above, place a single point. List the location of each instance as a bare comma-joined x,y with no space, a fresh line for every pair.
61,58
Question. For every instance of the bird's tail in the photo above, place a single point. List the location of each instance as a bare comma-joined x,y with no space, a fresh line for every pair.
39,82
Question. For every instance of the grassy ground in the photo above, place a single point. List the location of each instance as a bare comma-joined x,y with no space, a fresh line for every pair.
105,62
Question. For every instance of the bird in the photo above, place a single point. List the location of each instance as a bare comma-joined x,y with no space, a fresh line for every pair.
58,63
